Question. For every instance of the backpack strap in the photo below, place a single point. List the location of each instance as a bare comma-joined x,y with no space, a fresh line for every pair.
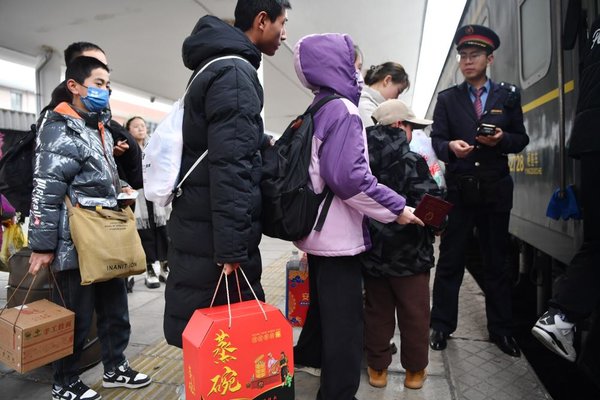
203,155
312,110
206,66
324,210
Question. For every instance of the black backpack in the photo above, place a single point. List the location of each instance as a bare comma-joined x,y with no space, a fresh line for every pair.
16,168
289,205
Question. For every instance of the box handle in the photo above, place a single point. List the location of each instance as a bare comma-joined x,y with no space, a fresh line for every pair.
239,292
27,294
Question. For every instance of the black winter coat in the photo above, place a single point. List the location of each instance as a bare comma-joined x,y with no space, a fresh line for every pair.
399,250
129,164
585,137
216,220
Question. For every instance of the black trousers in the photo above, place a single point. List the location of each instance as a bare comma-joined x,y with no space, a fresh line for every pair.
493,237
578,294
109,300
332,337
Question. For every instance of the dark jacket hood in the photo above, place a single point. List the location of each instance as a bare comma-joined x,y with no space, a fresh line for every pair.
212,37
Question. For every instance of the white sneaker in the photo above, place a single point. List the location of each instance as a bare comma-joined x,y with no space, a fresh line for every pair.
181,391
151,280
75,391
556,334
309,370
164,271
125,376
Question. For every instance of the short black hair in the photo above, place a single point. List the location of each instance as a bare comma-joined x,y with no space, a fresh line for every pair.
60,94
247,10
81,68
76,49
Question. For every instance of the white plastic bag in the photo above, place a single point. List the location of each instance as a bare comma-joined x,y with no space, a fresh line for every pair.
162,155
421,144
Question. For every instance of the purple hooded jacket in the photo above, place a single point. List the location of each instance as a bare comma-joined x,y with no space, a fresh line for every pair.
325,64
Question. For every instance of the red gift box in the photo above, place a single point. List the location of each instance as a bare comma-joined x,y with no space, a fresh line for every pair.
297,297
252,359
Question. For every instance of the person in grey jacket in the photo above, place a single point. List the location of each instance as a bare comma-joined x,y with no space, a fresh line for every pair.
73,158
383,82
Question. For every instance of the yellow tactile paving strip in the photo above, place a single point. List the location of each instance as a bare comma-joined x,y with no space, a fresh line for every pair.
164,363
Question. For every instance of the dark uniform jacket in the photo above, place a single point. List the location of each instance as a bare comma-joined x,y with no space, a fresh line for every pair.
399,250
454,118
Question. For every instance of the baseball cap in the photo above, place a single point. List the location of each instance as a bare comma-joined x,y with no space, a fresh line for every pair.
394,110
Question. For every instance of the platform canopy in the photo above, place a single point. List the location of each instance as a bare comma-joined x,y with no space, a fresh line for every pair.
143,39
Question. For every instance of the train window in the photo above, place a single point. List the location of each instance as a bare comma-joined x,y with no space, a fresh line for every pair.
535,40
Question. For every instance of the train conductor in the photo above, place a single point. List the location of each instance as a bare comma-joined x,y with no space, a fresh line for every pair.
476,125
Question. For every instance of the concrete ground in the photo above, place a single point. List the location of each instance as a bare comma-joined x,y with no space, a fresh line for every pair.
470,368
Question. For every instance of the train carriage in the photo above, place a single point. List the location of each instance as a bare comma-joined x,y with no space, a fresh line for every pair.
545,65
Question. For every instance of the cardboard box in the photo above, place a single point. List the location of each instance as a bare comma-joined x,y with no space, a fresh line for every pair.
297,297
251,360
43,333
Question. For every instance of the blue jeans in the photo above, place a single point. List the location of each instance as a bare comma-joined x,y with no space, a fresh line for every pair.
109,300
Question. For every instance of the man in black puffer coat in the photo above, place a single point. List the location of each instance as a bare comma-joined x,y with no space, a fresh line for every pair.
215,223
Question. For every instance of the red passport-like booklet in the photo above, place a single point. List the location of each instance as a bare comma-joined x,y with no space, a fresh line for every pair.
432,210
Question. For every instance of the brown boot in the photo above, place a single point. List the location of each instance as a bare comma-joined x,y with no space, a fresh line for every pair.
415,380
377,378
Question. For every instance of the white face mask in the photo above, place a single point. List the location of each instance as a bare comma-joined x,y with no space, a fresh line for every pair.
360,80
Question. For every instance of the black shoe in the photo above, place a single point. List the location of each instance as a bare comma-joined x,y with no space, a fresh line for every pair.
507,344
125,376
129,283
438,340
75,391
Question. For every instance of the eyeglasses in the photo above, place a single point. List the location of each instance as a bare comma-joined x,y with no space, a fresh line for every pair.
469,56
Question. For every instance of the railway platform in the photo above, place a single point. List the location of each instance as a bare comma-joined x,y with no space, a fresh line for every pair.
471,368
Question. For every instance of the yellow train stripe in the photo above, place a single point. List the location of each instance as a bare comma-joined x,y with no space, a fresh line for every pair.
569,87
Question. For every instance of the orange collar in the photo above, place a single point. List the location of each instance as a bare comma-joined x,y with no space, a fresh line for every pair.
66,109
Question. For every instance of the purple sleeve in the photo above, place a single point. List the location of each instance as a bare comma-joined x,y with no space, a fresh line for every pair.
345,170
7,208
